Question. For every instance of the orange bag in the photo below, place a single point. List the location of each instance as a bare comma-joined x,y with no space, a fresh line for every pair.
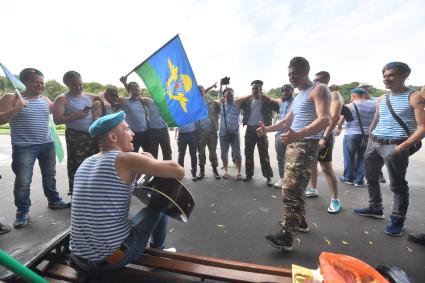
339,268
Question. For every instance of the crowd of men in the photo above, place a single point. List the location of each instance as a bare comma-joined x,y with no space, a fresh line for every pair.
104,134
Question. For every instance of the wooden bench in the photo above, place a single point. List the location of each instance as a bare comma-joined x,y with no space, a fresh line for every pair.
54,265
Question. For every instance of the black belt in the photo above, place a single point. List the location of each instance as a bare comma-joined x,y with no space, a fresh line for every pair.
387,141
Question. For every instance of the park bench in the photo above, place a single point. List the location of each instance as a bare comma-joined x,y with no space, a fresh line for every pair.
153,266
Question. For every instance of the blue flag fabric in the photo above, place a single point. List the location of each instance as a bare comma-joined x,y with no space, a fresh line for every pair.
16,83
169,78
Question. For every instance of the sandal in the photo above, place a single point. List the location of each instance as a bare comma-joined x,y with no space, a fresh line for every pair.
238,177
226,176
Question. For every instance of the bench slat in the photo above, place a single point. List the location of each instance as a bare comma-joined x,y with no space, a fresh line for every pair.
229,264
209,272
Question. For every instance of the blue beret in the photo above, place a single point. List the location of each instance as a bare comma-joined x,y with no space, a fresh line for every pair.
104,124
358,90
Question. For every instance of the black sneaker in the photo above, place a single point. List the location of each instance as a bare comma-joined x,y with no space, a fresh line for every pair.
60,204
269,182
417,238
247,178
215,173
303,227
281,240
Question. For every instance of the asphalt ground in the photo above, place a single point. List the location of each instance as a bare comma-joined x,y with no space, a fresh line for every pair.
231,217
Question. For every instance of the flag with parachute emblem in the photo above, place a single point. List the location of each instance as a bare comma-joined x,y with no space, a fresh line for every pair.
169,78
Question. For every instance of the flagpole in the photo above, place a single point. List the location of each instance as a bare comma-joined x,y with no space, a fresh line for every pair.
152,55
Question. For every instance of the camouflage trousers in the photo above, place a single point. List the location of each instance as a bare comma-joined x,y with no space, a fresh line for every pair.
79,146
252,139
300,157
207,138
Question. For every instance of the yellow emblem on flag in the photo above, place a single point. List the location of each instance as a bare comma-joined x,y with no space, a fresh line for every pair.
178,85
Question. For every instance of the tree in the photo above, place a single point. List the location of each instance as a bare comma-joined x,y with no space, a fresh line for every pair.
5,85
53,89
93,87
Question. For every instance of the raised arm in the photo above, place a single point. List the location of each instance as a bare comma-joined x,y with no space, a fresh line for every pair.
211,87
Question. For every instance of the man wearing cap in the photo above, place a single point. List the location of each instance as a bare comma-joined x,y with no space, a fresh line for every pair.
390,144
285,103
305,122
257,110
326,144
102,236
77,110
31,140
363,111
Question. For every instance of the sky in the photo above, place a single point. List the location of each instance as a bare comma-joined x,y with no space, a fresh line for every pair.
245,40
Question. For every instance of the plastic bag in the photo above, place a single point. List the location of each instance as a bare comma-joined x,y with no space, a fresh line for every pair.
304,275
56,140
346,269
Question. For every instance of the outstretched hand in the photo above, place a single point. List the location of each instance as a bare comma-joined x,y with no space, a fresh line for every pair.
289,137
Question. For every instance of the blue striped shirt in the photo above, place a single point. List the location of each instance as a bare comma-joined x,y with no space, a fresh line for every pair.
76,104
31,124
304,111
100,206
387,126
367,111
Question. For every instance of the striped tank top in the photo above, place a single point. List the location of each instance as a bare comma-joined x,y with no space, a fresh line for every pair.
367,111
31,124
100,206
76,104
387,126
304,112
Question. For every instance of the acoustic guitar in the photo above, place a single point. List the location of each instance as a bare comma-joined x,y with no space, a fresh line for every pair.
168,195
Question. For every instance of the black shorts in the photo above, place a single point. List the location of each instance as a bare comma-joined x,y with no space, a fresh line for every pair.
325,154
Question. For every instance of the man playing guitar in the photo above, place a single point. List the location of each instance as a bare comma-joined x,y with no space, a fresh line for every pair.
102,235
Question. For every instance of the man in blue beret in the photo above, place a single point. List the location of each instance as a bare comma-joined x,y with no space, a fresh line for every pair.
102,235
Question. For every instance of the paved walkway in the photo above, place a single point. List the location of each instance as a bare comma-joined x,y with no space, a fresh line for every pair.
231,217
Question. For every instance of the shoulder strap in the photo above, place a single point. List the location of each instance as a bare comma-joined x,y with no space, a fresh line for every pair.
358,117
396,117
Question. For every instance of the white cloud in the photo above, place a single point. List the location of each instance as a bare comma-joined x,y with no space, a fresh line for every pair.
245,40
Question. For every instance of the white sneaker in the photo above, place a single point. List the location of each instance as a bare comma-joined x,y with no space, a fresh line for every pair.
278,184
171,250
311,192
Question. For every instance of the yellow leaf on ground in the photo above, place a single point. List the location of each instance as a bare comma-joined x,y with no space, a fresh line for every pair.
213,204
328,242
345,243
171,230
366,232
298,241
409,249
274,196
370,243
220,225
